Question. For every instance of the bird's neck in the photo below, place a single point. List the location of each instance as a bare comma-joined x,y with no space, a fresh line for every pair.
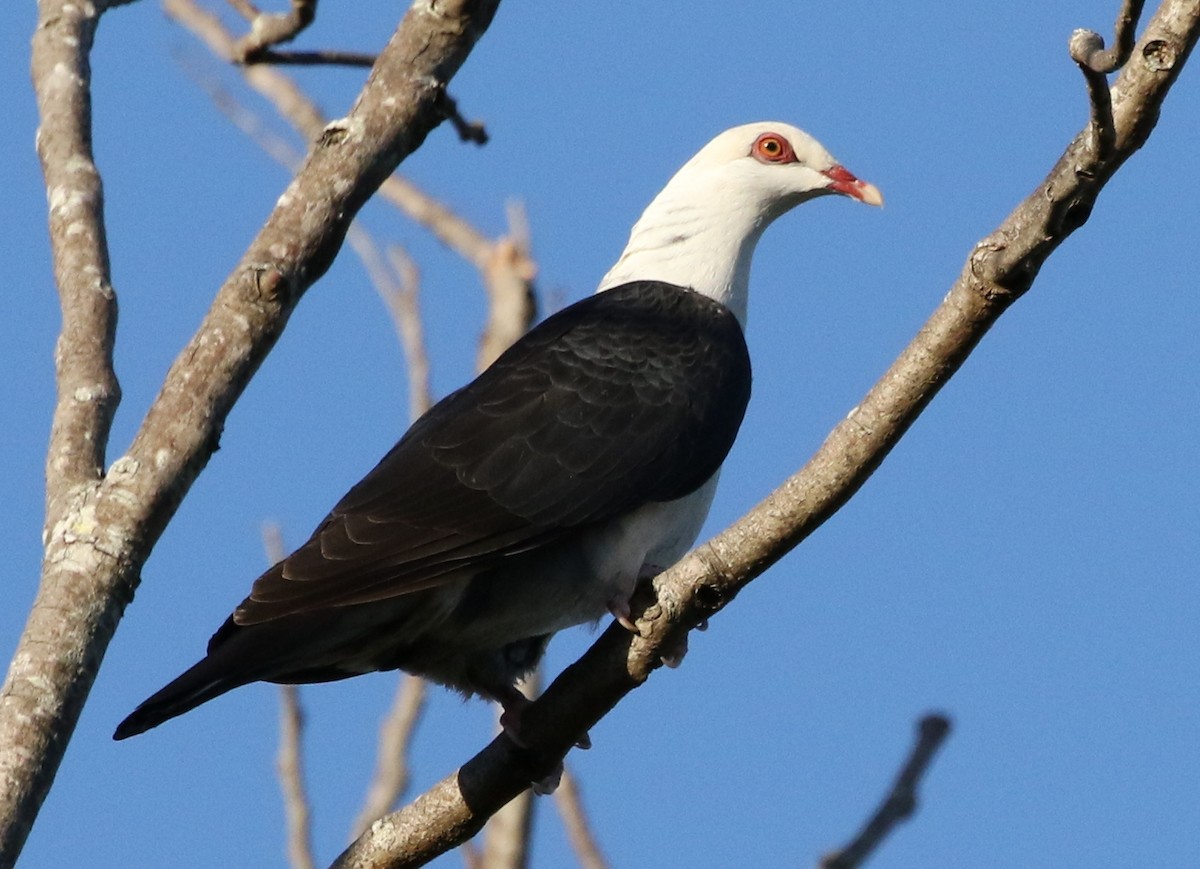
705,244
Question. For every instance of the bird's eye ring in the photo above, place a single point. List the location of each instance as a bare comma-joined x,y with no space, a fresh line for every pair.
772,148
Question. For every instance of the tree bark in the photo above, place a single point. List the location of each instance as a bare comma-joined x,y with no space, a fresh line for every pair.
100,527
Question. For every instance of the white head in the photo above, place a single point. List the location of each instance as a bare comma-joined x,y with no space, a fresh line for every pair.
700,231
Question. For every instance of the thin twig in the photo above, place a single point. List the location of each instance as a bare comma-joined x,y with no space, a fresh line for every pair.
289,762
269,29
1086,48
901,801
1094,57
508,277
290,765
396,279
328,57
468,131
391,765
405,305
491,258
245,8
397,283
472,859
569,802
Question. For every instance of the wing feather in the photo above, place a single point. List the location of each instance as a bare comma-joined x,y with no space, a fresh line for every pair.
628,397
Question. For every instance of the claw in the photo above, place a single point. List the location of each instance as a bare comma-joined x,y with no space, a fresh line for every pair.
619,607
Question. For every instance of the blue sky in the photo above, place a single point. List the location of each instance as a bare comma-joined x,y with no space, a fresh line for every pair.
1025,560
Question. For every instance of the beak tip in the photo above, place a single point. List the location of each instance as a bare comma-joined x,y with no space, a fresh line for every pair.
870,194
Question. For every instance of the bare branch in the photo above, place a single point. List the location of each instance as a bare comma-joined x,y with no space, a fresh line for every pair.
508,834
1087,50
569,802
51,674
286,96
295,106
472,859
245,8
290,765
268,29
99,532
391,765
999,270
468,131
396,280
506,265
289,762
508,275
1091,53
901,801
329,57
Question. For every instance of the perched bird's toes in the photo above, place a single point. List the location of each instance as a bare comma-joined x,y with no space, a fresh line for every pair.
702,625
649,571
510,719
619,607
674,657
548,785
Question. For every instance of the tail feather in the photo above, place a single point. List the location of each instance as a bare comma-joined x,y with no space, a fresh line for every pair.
199,684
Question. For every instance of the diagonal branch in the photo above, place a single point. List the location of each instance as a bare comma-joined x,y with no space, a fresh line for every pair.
901,801
998,271
506,265
99,533
569,803
268,29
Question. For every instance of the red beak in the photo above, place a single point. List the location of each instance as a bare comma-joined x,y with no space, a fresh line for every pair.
843,181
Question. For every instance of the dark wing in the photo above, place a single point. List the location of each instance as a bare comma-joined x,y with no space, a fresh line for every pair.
631,396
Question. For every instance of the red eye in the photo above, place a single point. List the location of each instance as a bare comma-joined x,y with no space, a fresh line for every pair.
772,148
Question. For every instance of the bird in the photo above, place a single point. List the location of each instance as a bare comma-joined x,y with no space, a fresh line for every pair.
535,498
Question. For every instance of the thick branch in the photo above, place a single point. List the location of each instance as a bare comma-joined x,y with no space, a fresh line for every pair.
998,271
31,725
99,537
